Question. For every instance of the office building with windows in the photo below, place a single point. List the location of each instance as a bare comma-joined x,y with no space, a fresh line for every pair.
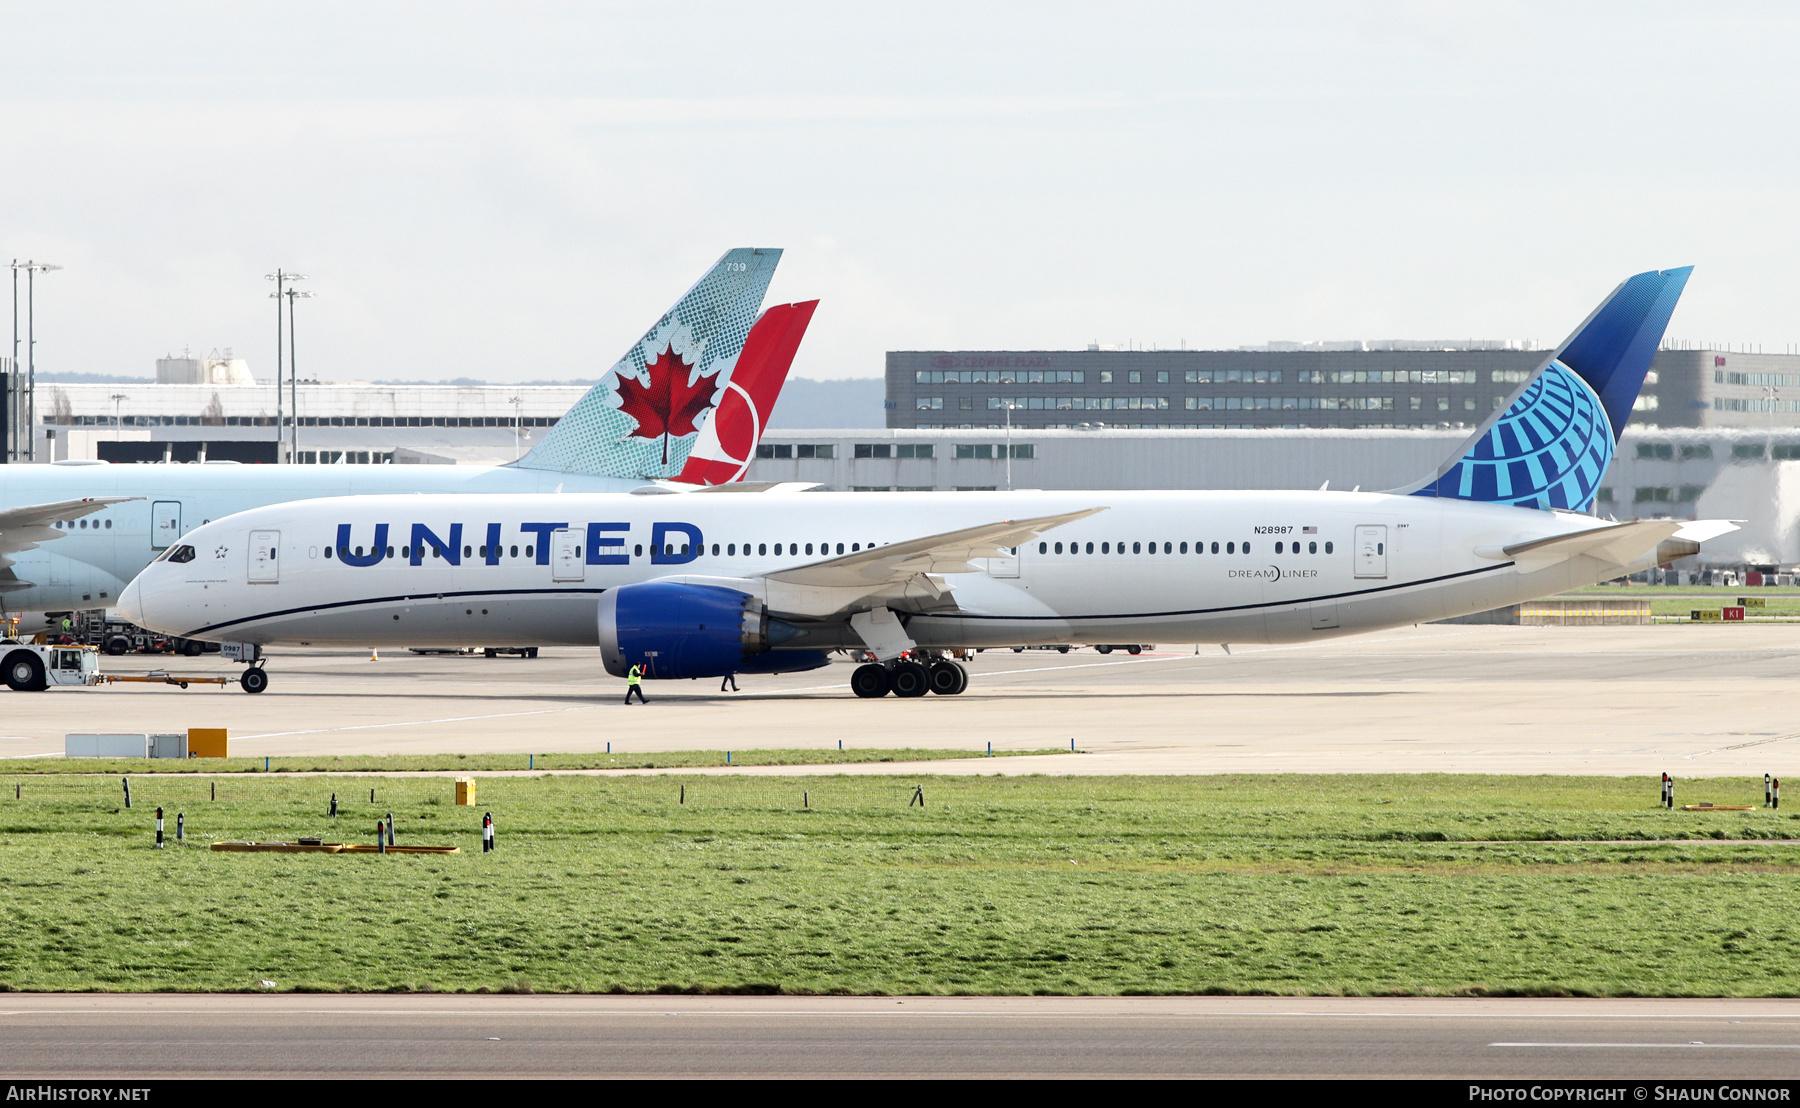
1330,385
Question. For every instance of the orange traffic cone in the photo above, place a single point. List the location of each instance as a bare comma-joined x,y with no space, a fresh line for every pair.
374,655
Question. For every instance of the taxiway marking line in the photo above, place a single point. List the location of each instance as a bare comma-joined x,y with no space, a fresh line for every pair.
1657,1046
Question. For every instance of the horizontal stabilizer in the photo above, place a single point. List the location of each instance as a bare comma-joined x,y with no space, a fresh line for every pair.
1619,544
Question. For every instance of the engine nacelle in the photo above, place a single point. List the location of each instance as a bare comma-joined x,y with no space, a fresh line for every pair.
677,630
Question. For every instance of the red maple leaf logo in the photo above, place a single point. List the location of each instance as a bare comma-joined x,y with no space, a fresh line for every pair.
668,405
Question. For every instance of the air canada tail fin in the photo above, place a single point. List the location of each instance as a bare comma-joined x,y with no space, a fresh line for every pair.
1550,444
727,441
644,416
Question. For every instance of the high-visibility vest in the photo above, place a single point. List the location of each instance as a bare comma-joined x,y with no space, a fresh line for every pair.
635,677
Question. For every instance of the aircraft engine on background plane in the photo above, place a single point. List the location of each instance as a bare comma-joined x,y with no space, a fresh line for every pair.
677,629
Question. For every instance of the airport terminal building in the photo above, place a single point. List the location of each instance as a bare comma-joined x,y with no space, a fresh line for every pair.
1716,433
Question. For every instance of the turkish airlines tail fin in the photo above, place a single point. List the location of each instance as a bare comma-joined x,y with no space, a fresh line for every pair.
727,441
1550,443
644,416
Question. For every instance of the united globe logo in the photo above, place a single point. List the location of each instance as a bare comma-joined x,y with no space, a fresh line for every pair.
1549,450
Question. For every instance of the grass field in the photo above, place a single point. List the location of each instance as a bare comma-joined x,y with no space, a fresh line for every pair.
1277,884
488,763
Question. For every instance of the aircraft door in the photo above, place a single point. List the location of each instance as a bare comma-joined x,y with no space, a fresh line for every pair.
1007,566
1371,550
568,562
264,547
165,524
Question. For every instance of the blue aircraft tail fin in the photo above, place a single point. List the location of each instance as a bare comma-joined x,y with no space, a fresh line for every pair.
1550,444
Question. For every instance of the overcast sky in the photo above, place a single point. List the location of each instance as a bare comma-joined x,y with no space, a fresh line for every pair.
516,191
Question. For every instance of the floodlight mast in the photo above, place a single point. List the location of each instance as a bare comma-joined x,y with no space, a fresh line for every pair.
294,374
32,269
281,279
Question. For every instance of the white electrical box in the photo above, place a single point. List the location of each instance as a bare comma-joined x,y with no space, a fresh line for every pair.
106,746
169,746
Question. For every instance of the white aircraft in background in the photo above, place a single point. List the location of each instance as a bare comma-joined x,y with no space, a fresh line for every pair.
687,403
701,585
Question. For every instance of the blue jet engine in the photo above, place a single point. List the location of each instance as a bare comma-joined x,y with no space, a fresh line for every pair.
676,630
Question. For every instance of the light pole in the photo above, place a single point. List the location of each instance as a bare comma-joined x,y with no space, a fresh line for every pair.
1007,403
32,269
294,374
118,398
281,279
518,404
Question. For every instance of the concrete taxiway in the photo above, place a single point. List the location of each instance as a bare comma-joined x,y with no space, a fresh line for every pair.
1637,1041
1691,700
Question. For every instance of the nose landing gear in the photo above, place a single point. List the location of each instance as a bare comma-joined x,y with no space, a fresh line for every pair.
254,680
907,678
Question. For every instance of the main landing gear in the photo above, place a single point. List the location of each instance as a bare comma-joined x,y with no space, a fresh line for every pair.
909,678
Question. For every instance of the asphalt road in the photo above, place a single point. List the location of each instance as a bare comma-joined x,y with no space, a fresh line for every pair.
1638,1041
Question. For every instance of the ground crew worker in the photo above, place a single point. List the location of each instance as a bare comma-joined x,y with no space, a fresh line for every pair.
68,629
730,679
634,683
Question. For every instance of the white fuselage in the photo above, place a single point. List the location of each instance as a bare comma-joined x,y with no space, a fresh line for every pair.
1227,567
89,565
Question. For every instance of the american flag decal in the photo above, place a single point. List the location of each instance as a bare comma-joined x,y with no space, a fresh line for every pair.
1309,530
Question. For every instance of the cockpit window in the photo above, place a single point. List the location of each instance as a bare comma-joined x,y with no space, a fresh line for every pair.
179,554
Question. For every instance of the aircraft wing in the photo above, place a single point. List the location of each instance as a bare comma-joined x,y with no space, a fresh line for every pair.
23,528
854,576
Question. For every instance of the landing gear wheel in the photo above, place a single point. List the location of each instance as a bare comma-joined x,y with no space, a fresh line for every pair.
1134,650
24,673
945,680
1103,649
869,681
909,679
254,680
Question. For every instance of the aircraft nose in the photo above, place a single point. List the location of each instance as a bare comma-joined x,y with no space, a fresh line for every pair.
131,605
